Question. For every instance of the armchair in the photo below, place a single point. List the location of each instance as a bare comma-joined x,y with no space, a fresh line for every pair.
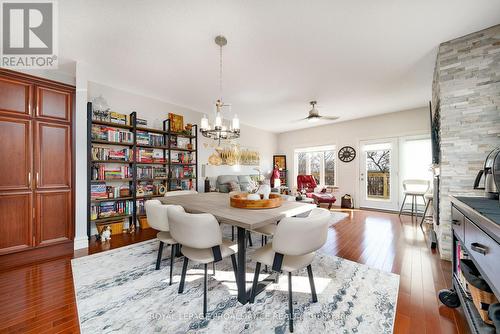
308,183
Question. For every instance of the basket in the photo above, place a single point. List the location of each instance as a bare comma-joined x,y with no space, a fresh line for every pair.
124,192
240,201
143,223
482,296
116,227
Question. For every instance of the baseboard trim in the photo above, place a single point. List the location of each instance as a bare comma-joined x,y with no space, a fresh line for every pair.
81,243
40,254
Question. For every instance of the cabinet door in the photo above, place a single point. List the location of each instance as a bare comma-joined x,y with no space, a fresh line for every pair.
16,231
53,104
15,154
53,217
15,96
52,156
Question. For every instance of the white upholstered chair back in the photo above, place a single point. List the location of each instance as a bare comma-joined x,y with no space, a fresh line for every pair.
180,192
194,230
157,214
299,236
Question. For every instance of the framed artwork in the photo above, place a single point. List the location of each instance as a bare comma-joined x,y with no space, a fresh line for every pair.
280,161
176,122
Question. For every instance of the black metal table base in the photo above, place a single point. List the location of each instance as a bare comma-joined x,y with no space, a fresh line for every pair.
243,292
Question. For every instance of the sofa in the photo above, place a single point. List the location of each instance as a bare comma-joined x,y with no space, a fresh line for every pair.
246,182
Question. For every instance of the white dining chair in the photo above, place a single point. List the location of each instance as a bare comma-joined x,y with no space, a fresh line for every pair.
158,219
293,246
415,189
201,239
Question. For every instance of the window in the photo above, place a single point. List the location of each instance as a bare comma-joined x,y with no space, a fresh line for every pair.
318,162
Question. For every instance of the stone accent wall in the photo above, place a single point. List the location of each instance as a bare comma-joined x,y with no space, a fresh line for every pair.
466,88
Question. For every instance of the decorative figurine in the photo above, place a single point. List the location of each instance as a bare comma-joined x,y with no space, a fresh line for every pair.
106,233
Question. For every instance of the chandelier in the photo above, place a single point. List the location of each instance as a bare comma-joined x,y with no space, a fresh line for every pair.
220,131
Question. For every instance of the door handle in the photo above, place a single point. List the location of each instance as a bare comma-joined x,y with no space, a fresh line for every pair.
29,179
455,222
37,180
477,247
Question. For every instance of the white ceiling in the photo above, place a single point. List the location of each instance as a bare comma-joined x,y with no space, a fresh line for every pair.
357,58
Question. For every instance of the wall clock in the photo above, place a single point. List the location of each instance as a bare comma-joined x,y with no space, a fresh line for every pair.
347,154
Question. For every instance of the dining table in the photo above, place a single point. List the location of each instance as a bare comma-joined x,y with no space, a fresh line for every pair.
218,204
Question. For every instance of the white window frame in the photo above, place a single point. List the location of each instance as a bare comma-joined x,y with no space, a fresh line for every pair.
315,149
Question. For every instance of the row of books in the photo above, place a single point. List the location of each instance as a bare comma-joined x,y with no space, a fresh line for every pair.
102,132
101,172
182,157
146,155
103,191
181,185
147,138
180,142
151,172
180,172
110,117
106,153
110,209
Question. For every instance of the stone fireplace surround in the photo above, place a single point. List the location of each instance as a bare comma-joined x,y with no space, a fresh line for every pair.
466,93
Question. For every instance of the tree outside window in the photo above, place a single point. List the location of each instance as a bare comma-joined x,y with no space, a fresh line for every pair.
320,164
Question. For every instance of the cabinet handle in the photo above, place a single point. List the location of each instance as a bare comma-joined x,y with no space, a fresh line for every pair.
477,247
37,179
455,222
29,180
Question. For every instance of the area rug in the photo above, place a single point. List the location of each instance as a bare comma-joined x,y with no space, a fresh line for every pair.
119,291
337,217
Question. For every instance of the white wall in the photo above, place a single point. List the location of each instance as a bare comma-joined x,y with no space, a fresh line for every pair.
349,133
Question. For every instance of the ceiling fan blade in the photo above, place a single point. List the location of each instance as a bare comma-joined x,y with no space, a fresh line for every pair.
300,120
329,118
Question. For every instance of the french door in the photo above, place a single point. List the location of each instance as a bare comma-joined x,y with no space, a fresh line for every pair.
379,174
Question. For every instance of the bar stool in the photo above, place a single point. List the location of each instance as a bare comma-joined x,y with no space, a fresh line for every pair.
414,189
429,197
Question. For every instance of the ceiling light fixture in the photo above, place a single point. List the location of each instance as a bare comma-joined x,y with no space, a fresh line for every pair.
219,131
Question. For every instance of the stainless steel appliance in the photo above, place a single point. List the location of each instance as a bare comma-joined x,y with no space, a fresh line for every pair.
491,173
495,170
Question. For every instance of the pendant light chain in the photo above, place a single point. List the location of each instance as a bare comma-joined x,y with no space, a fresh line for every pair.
220,73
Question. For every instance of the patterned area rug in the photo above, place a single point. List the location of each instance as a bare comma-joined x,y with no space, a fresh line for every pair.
119,291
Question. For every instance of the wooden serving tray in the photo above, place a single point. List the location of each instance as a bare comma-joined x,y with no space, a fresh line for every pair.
240,201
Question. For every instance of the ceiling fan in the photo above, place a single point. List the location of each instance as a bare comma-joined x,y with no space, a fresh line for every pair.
314,115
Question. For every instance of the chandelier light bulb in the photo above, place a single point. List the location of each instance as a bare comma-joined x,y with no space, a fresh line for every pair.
218,120
204,122
236,122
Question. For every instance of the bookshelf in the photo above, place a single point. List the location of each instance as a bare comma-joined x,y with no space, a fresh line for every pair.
144,160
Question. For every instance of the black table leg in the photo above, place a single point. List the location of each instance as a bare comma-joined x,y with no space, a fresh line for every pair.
241,279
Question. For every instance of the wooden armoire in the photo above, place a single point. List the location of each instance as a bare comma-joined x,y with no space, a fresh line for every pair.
36,168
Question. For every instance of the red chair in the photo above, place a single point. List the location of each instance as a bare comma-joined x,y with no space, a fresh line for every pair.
308,183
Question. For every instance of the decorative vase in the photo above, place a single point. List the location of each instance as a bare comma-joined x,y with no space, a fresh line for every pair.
253,197
265,190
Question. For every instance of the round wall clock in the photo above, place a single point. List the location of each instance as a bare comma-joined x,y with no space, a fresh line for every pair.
347,154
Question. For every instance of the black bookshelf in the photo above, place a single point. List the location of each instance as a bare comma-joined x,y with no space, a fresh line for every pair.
134,180
193,140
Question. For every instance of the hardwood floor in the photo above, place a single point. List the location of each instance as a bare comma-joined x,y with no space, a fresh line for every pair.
40,298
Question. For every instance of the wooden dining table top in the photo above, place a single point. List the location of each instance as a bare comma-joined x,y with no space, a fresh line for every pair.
218,205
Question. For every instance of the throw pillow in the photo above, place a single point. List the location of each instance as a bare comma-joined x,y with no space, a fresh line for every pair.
234,186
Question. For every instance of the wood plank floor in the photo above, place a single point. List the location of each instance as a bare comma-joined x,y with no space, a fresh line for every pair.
40,298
